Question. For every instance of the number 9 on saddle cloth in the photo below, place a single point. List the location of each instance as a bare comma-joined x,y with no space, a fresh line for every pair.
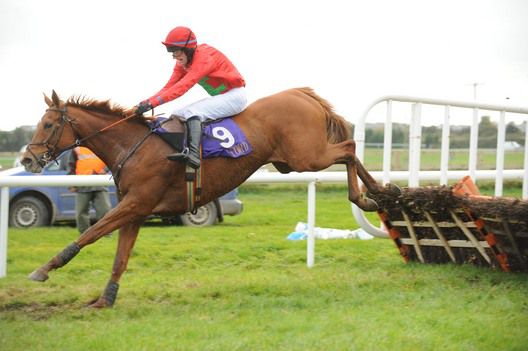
221,138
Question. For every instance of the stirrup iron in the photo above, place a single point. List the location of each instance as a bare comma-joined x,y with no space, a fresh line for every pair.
183,155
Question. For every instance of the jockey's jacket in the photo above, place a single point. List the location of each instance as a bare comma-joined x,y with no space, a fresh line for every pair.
209,68
88,162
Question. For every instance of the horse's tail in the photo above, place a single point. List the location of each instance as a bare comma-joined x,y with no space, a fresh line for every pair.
337,128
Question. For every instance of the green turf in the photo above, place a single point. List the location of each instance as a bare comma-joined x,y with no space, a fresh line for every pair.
242,286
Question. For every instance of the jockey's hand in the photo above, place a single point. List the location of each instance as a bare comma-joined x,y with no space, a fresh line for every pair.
142,107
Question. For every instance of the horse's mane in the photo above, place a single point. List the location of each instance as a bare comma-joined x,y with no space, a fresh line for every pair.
104,107
337,128
89,104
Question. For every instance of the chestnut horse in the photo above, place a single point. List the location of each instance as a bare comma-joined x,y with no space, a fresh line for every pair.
296,130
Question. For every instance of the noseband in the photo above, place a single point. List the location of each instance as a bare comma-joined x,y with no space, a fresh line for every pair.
51,142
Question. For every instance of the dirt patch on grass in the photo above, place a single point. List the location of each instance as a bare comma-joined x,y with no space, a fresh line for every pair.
36,311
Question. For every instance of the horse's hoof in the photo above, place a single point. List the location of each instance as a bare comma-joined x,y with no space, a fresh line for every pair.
369,205
38,276
98,303
393,189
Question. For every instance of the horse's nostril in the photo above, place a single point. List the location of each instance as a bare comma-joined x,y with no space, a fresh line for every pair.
25,161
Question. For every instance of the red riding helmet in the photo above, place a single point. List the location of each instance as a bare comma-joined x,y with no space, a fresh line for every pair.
180,37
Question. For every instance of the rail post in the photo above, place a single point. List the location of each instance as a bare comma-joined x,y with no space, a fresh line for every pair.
4,203
310,247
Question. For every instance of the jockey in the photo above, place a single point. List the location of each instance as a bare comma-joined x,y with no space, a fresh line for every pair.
211,69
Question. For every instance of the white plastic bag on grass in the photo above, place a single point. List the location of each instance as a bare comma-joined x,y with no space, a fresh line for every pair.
301,233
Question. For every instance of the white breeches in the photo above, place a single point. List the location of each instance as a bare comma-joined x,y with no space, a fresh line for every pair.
215,107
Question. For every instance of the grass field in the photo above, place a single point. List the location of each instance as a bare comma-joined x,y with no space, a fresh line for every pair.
242,286
7,159
430,159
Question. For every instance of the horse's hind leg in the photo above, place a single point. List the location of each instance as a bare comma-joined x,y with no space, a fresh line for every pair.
372,186
354,194
345,152
354,169
321,156
127,238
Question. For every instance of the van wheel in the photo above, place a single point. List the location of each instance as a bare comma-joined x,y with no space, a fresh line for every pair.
205,215
28,212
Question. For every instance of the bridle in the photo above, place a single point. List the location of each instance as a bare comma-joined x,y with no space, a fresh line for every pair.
52,153
50,144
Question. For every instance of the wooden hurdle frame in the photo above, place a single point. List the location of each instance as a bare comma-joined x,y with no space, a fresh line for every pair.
458,234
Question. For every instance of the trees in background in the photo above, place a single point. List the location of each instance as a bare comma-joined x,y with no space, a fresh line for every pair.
459,135
15,139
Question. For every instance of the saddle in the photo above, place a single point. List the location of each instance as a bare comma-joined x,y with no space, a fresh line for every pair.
170,130
221,138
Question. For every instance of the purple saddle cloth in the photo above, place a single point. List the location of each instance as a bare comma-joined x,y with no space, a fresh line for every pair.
223,138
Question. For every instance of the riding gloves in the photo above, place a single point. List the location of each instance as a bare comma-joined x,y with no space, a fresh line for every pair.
143,107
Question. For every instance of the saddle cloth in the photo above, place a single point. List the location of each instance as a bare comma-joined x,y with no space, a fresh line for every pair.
222,138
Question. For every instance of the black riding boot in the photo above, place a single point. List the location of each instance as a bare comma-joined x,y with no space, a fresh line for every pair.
192,153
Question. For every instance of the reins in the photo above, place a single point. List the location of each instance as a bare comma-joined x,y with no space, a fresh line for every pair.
105,128
78,142
51,153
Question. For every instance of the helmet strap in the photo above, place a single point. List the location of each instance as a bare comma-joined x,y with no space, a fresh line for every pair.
188,38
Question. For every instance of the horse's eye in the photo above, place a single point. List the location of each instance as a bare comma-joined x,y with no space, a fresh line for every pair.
47,125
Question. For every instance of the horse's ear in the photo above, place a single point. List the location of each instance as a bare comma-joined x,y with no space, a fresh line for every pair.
48,100
55,98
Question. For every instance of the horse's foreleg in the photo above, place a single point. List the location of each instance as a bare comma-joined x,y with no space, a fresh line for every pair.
41,274
123,213
127,238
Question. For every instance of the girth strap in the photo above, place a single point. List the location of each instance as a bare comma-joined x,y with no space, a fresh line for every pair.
193,179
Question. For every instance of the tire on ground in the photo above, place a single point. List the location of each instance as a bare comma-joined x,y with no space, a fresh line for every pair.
27,212
204,216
